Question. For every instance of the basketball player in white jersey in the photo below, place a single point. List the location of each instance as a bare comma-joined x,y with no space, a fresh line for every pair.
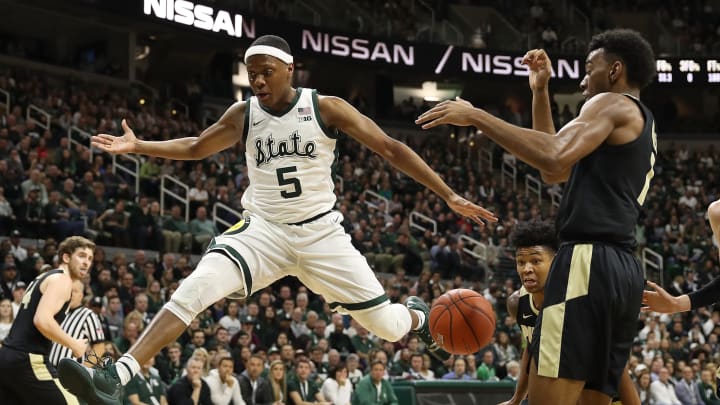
289,227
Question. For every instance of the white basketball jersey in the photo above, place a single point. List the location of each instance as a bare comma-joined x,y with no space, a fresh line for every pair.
289,155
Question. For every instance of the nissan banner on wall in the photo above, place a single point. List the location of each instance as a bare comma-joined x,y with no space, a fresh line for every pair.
428,59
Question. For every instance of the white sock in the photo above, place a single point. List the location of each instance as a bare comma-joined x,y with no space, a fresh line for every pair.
421,318
126,368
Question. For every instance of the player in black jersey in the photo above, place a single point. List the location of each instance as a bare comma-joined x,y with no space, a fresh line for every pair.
28,376
535,245
592,297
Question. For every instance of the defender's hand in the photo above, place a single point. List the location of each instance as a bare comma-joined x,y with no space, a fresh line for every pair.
116,144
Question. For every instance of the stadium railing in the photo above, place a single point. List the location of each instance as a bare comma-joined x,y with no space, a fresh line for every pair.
165,190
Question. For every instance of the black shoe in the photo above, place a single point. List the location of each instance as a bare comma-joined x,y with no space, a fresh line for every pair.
101,388
423,332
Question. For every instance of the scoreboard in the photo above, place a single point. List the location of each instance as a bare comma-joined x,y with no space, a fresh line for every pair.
688,71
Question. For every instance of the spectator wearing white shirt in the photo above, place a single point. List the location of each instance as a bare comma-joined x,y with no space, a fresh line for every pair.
662,391
231,321
18,251
688,199
337,388
223,385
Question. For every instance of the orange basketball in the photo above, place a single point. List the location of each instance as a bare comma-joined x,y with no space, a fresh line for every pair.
462,321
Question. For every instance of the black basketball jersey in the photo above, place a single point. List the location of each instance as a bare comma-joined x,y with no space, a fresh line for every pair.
24,336
602,199
526,314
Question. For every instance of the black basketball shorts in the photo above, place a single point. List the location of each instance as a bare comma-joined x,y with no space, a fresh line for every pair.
589,317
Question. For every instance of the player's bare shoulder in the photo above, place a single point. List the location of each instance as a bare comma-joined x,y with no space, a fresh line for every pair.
334,110
619,107
513,301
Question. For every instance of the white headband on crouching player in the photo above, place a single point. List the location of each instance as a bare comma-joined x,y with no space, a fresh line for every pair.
268,50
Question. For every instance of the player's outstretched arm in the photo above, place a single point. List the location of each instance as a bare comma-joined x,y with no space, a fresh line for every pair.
337,113
216,138
660,301
547,153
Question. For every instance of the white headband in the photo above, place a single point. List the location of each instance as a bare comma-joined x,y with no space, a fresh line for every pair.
268,50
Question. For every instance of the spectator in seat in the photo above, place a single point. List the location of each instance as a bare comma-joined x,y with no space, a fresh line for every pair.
255,389
115,221
459,371
202,229
150,176
176,232
337,389
686,389
223,385
486,369
7,216
191,387
373,389
278,382
302,390
146,387
662,391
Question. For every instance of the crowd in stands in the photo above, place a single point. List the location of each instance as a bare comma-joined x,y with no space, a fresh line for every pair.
50,189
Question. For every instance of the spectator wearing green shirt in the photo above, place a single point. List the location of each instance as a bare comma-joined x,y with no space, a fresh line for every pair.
362,342
302,390
150,176
373,389
145,387
486,369
176,231
707,391
202,229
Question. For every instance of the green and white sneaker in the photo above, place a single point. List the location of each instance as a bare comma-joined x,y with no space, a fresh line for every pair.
101,388
423,332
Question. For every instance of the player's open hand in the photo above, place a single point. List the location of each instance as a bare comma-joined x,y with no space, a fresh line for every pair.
661,301
470,210
454,112
116,144
538,62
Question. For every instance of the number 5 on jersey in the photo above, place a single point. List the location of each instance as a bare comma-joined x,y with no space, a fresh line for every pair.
289,181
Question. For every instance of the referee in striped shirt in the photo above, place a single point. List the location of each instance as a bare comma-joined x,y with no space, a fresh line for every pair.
80,323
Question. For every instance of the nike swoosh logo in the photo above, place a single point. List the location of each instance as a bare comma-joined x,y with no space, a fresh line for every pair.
526,316
258,123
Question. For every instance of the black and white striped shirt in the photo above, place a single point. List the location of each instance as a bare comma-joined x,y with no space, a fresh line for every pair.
80,323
